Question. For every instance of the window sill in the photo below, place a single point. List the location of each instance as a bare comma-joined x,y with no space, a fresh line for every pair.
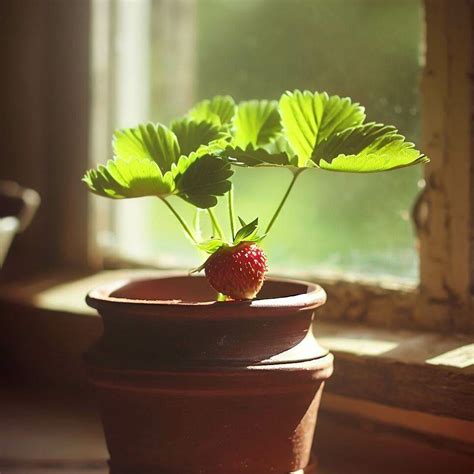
47,326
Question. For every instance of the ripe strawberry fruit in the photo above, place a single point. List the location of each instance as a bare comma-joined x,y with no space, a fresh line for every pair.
238,271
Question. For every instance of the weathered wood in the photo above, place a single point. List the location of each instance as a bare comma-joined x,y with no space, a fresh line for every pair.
352,444
433,389
453,433
421,371
377,305
444,215
363,422
472,166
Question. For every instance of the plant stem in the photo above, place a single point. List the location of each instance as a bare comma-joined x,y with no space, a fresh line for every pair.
285,197
197,224
215,223
221,297
231,211
181,220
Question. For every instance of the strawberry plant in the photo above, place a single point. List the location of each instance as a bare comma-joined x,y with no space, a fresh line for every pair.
192,159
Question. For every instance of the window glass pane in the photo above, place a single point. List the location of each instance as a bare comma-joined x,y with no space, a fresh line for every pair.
365,49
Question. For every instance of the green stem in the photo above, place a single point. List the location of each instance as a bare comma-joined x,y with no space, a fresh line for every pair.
181,220
285,197
231,211
221,297
215,223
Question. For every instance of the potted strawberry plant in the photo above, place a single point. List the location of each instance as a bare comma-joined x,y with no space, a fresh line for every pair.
222,372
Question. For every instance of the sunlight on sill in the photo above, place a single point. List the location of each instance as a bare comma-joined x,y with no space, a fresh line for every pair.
460,357
369,347
412,347
70,296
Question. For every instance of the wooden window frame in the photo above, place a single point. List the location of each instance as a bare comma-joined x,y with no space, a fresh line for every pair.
444,212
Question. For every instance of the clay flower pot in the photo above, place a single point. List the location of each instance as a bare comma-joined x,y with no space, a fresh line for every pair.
189,385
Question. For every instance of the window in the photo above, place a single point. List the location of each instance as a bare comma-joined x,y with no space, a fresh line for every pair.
45,145
369,51
145,68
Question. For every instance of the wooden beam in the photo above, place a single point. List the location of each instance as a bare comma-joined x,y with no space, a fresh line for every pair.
431,389
444,215
422,371
472,154
68,103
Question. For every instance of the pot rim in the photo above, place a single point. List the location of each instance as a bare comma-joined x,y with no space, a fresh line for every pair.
100,298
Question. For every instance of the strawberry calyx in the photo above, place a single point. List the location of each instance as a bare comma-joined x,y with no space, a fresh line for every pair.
247,233
235,269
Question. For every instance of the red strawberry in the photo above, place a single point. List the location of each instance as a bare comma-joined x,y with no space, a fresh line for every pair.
237,272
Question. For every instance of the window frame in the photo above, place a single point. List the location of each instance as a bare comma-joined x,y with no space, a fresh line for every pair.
444,212
444,215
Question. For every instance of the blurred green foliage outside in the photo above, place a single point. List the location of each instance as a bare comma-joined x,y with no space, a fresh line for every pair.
365,49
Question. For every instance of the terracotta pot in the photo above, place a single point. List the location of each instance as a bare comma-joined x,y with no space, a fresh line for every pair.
189,385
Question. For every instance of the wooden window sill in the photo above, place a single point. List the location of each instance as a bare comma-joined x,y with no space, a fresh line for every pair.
404,391
47,325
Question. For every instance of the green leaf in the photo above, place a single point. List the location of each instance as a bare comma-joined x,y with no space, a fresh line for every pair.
351,141
147,141
308,118
212,245
246,231
365,149
251,156
281,146
192,135
199,179
218,111
121,178
255,123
